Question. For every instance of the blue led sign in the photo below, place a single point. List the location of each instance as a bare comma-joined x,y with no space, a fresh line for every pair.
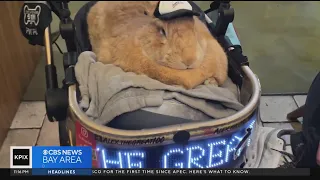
208,153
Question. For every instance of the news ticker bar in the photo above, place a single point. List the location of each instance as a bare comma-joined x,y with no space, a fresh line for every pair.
160,172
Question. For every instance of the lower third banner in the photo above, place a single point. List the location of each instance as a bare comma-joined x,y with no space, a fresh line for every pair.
61,160
163,172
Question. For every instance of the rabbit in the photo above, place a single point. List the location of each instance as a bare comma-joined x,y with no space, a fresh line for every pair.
180,51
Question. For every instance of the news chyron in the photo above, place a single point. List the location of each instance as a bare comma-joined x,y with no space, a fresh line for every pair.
50,160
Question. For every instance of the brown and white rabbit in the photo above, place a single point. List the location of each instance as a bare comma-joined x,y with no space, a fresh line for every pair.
180,51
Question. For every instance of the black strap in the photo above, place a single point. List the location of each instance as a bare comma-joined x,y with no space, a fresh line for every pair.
235,52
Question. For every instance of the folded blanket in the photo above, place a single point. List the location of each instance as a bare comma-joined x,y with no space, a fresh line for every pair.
107,92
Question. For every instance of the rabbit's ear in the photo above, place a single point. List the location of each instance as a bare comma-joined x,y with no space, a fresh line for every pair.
153,3
150,7
158,23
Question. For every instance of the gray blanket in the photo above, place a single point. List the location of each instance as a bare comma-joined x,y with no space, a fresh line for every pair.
107,92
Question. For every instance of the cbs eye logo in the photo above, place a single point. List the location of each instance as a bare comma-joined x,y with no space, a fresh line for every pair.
20,157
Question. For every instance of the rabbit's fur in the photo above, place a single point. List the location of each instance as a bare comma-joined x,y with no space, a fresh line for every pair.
176,52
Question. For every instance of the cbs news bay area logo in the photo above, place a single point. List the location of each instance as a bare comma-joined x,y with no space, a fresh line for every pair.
61,156
50,157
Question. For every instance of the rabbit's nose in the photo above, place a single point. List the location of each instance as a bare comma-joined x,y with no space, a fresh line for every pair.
193,62
189,60
189,56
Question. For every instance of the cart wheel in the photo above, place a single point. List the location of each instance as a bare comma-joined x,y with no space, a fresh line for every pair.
63,135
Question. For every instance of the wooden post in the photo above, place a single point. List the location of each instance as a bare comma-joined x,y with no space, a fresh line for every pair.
18,60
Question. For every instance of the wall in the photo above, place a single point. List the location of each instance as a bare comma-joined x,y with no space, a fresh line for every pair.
18,60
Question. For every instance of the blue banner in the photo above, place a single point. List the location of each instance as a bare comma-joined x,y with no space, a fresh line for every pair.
61,157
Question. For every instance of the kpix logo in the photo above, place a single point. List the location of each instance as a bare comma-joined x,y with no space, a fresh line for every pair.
20,157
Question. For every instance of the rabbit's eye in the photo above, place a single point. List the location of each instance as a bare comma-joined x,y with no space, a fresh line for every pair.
163,32
145,13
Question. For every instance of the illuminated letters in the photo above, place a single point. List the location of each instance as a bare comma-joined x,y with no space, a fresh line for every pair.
107,161
192,159
231,147
131,163
167,155
134,159
212,147
210,153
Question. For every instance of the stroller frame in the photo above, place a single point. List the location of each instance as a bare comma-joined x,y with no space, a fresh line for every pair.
62,103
